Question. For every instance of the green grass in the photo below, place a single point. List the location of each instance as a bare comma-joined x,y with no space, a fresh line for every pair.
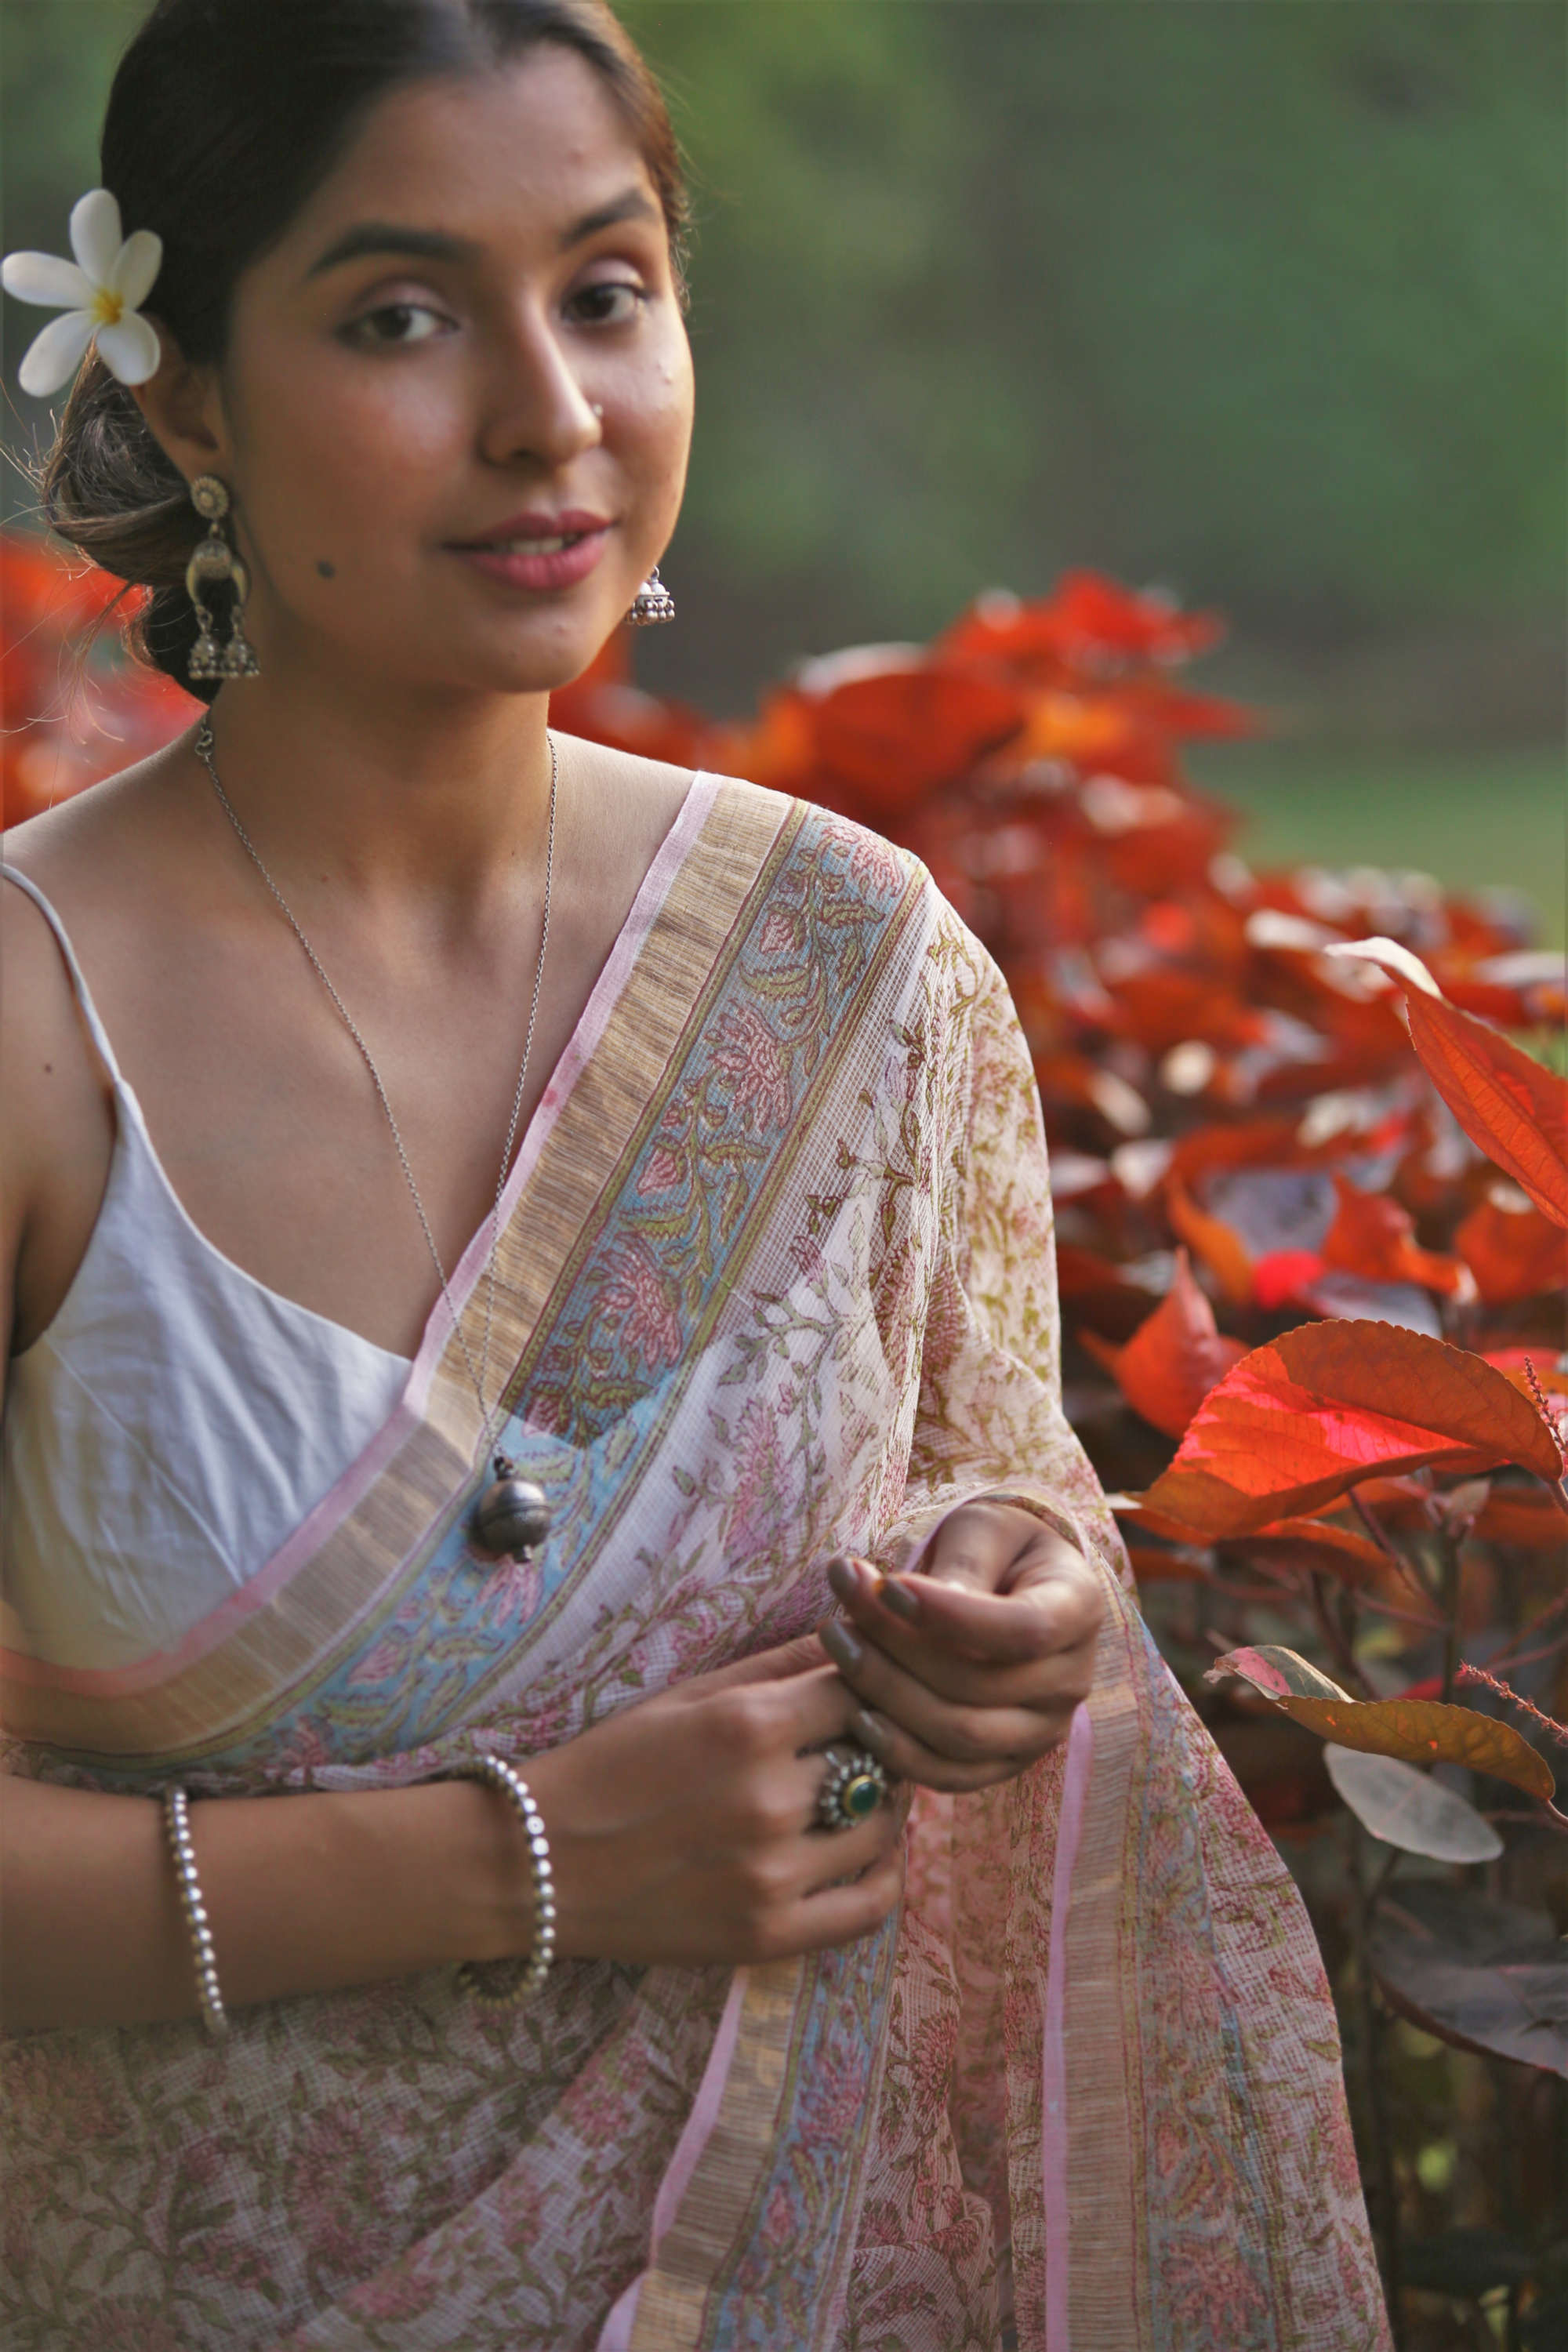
1470,819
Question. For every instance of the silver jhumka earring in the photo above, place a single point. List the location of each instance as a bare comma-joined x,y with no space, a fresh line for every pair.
217,563
653,601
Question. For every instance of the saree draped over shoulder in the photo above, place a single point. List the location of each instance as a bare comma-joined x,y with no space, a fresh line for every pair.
775,1280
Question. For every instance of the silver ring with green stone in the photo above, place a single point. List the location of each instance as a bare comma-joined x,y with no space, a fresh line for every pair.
855,1785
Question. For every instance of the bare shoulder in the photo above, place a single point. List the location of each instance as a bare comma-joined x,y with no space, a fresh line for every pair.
92,837
58,1127
625,806
644,790
89,858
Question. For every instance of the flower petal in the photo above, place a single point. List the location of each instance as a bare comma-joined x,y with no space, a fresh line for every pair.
45,277
54,357
129,350
141,259
95,234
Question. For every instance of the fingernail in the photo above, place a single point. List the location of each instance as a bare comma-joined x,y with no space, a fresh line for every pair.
877,1734
843,1579
898,1598
841,1645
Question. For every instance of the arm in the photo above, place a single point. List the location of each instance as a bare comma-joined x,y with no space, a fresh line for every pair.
681,1829
305,1894
657,1854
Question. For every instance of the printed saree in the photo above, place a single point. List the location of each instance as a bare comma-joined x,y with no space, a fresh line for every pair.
775,1279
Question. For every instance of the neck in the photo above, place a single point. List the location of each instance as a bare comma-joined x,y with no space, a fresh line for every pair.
442,795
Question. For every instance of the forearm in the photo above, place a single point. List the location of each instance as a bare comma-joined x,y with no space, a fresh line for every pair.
304,1894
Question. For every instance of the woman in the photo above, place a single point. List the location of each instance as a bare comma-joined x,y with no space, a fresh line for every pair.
765,1296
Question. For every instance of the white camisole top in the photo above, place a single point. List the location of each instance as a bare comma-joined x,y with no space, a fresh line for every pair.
174,1424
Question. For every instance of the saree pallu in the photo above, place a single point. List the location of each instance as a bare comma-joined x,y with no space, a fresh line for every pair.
775,1279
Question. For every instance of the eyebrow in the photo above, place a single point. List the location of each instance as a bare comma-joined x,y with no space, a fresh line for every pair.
436,245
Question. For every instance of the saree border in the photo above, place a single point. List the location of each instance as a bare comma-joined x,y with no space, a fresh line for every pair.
672,2295
714,2274
366,1560
1106,2232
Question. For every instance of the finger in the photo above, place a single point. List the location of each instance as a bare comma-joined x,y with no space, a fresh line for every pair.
964,1732
842,1914
977,1545
833,1857
755,1727
778,1664
791,1807
1061,1677
912,1759
1054,1610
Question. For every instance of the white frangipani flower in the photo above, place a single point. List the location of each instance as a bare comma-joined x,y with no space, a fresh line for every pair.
99,292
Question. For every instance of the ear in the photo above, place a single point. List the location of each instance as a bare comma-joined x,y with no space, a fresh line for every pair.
182,406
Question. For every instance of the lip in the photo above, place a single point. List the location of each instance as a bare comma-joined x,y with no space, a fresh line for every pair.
562,569
535,523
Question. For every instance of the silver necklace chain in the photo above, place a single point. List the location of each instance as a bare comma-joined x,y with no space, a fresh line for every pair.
479,1374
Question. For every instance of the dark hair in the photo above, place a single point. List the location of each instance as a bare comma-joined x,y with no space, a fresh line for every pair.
224,115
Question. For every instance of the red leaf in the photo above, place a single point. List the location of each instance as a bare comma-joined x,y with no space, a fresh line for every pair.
1153,1564
1173,1360
1373,1236
1146,1522
1418,1731
1091,624
1321,1550
1528,1517
1516,1110
1513,1250
1281,1278
1219,1245
1315,1412
896,737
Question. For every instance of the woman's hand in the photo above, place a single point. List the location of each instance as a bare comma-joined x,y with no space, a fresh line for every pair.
684,1829
970,1669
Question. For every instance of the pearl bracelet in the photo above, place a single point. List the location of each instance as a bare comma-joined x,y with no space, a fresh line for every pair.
472,1975
177,1822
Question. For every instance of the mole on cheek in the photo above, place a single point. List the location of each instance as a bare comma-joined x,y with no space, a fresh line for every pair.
328,571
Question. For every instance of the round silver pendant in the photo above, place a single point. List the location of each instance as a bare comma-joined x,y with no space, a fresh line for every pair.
512,1517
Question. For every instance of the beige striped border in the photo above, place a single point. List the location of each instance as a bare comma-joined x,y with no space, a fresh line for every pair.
672,2307
1108,2298
301,1633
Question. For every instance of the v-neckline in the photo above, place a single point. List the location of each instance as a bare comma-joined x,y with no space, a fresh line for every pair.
440,1323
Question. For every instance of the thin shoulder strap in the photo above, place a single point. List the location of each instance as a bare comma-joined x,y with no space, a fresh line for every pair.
95,1027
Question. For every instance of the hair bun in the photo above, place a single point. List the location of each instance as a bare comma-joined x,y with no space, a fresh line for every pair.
108,490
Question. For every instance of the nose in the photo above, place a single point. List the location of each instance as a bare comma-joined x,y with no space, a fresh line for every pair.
535,406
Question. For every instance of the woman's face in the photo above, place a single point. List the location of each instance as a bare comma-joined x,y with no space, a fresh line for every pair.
467,347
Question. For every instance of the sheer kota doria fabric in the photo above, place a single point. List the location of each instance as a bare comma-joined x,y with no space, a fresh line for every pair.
775,1279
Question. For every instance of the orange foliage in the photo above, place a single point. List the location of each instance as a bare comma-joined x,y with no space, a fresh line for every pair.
74,710
1213,1081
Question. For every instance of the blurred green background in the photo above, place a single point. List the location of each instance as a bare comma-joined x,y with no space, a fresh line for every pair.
1261,300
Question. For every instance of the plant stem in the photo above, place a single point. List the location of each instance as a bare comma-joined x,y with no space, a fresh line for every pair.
1412,1572
1338,1640
1448,1548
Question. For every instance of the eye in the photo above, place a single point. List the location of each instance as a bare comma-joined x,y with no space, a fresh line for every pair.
394,324
609,302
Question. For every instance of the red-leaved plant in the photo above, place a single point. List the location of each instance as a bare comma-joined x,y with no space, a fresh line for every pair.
1312,1218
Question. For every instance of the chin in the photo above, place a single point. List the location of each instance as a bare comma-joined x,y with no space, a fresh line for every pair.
528,664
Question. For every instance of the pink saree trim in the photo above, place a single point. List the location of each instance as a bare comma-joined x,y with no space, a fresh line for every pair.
697,2130
1054,2138
350,1489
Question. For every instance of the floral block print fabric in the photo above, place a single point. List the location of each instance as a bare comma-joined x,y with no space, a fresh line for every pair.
775,1280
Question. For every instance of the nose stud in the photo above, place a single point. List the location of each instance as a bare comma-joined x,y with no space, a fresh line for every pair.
598,408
